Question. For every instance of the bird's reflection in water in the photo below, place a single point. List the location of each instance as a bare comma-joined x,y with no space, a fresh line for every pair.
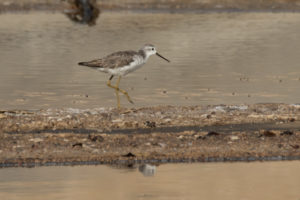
82,11
145,169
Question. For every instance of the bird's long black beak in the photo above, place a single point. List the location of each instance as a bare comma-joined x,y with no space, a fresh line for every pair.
162,57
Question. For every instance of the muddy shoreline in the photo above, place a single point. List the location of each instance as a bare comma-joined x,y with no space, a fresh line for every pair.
156,134
152,5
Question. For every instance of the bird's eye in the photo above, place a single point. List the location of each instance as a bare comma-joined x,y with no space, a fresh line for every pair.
152,49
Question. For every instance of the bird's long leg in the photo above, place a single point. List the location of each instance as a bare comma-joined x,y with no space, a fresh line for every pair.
118,98
123,91
116,89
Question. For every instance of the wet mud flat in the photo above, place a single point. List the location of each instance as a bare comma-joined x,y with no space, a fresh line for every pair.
154,134
171,5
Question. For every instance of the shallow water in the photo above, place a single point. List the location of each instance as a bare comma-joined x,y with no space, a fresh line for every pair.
228,181
227,58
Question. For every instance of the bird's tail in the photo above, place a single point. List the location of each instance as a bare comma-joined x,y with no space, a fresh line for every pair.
92,64
83,63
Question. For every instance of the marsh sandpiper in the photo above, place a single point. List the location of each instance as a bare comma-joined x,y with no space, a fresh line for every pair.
121,63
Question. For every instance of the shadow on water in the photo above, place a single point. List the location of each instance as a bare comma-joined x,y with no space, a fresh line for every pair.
218,128
82,11
295,126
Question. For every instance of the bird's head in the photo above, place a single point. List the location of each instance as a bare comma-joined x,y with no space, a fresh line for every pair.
150,50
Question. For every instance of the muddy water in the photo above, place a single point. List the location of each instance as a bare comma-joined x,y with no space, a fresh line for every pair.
228,181
216,58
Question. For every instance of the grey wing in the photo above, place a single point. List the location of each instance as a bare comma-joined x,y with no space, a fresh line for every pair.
115,60
118,59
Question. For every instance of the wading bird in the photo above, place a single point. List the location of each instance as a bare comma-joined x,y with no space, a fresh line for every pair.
121,63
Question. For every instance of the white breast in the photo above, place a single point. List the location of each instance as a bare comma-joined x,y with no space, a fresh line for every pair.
122,71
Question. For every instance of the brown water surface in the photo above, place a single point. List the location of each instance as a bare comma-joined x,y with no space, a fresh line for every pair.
216,58
227,181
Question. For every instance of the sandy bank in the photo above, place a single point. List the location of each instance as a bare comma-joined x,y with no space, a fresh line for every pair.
160,134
